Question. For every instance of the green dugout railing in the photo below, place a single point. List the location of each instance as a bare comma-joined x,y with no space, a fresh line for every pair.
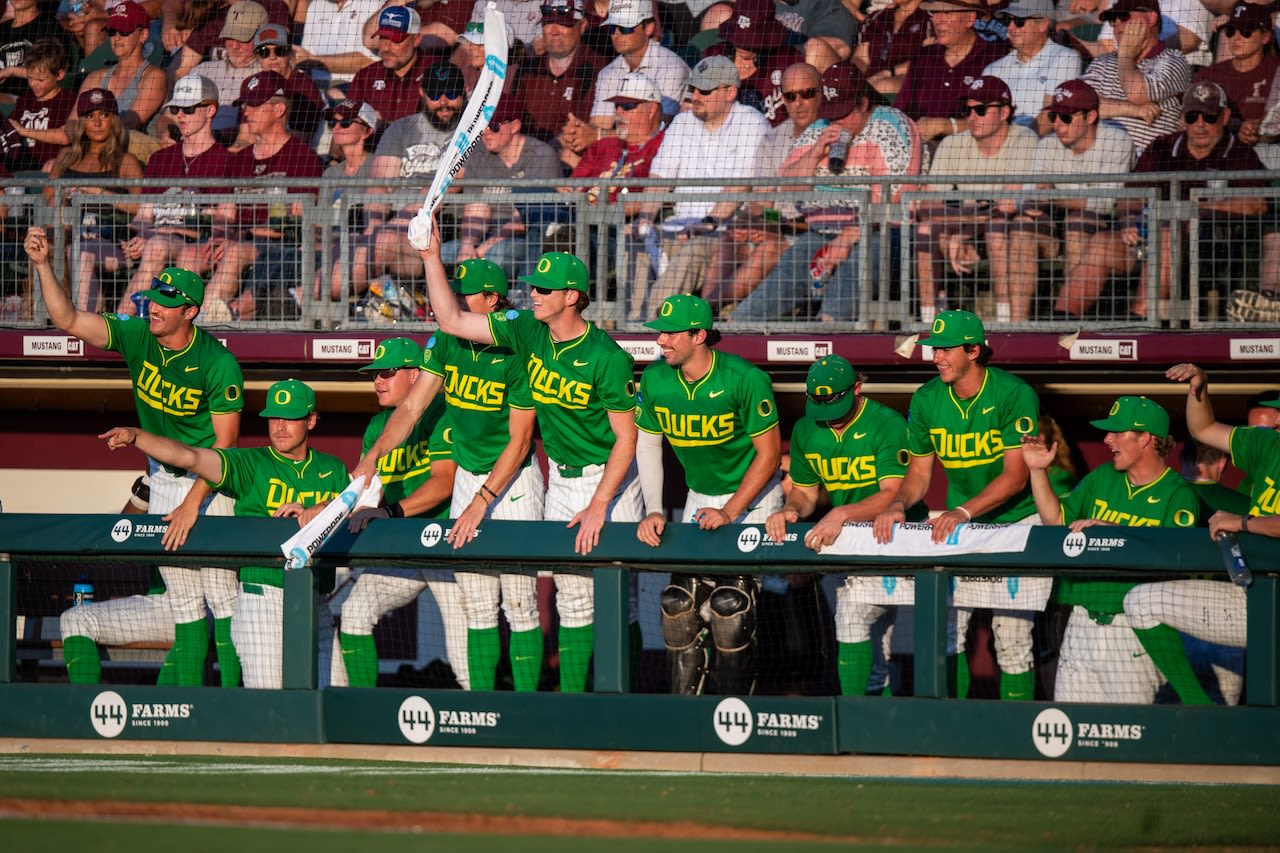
611,718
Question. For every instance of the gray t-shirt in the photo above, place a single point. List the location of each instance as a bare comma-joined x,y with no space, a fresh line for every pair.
415,140
537,160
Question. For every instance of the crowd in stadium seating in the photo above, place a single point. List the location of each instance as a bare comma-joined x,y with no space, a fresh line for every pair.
688,89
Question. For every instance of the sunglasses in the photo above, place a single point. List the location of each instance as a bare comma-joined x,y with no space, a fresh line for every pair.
706,93
1244,32
186,111
114,33
564,11
166,289
829,398
265,50
626,31
626,108
388,372
344,122
1017,23
543,291
444,96
980,109
804,95
1195,116
1065,118
1122,17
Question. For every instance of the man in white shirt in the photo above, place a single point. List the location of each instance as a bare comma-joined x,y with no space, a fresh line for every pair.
338,35
1036,65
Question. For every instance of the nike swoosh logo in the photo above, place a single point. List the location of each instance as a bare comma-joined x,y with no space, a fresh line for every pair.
577,363
325,474
498,361
715,394
858,435
191,368
1141,654
988,410
1153,500
515,498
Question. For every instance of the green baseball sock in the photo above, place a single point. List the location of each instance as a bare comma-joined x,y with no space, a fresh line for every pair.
526,659
483,650
360,657
1018,686
958,675
228,659
576,645
84,664
185,661
1168,654
853,666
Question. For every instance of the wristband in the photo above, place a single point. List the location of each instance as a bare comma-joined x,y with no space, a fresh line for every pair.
968,515
1244,523
395,511
484,487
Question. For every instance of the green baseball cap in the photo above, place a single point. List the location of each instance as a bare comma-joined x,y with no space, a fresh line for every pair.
955,328
479,276
291,399
395,353
828,387
559,271
175,287
1273,404
1137,413
682,313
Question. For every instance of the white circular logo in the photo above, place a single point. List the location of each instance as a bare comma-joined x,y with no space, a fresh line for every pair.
417,719
1073,545
431,535
1051,733
108,713
732,721
122,530
749,540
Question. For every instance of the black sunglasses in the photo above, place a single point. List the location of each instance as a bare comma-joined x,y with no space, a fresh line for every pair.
980,109
114,33
186,111
543,291
166,289
1195,115
444,96
1010,21
626,31
548,9
344,122
265,50
1121,17
1065,118
705,92
1229,30
626,108
804,95
829,398
388,372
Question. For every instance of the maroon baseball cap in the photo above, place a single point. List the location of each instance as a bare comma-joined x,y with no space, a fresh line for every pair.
843,85
260,88
988,90
92,100
128,16
753,25
1244,16
508,109
1074,96
1123,7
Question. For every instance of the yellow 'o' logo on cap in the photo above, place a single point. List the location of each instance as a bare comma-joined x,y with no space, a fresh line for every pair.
461,273
938,325
667,308
379,352
544,265
1115,407
283,397
823,390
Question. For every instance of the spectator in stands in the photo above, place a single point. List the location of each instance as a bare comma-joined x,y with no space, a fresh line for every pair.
338,39
271,238
991,145
87,26
393,84
412,148
237,64
470,57
26,25
1139,83
1186,26
206,41
939,74
353,125
1036,65
562,82
139,87
98,149
442,21
717,138
630,151
820,274
510,237
1206,145
827,26
184,230
306,104
1083,229
631,28
523,19
41,113
754,40
890,39
1247,77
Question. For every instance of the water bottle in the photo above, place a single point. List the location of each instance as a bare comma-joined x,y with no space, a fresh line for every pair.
1233,559
141,303
82,592
838,153
1140,250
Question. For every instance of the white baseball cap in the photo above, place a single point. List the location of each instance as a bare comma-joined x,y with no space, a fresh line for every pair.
637,86
191,90
628,13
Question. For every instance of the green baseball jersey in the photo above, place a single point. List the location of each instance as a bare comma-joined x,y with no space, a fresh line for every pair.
1107,494
970,437
711,423
480,384
852,461
574,384
1256,451
408,466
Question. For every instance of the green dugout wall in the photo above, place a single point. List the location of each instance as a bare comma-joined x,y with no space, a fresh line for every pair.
610,718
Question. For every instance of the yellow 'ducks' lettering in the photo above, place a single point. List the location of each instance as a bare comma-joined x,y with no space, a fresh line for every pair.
550,387
280,493
465,388
841,469
967,445
1269,500
1103,511
706,427
407,458
158,393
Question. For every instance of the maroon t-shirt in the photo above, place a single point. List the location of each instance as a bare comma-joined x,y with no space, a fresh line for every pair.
295,159
933,89
454,14
767,80
612,157
889,49
184,217
1247,91
1169,153
40,115
392,96
548,99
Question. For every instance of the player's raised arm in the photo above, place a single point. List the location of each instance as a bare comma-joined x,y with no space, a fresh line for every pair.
226,433
1038,458
199,460
400,424
1201,421
85,325
452,319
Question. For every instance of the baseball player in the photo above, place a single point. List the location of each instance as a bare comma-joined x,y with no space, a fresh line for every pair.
972,416
417,475
853,448
717,412
187,387
1101,658
1215,611
286,479
584,395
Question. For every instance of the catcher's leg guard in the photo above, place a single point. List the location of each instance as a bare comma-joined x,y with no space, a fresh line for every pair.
733,629
684,634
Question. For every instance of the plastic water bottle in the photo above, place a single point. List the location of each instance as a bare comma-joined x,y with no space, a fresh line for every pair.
141,303
1140,250
82,592
1233,559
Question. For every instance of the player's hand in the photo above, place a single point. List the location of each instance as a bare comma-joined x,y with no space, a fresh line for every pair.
423,231
886,521
466,525
181,520
290,510
360,519
1197,380
1081,523
650,529
711,518
589,522
775,526
118,437
944,525
1224,522
1035,454
825,531
367,468
36,245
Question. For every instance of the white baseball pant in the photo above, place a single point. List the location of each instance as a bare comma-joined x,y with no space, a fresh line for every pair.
187,590
1214,611
135,619
257,629
1104,663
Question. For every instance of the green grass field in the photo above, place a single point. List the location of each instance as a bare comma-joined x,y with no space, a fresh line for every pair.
908,814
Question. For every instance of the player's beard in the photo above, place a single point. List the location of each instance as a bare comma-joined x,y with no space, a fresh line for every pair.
441,124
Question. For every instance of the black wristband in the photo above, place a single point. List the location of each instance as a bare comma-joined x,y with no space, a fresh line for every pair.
395,511
711,220
1244,523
